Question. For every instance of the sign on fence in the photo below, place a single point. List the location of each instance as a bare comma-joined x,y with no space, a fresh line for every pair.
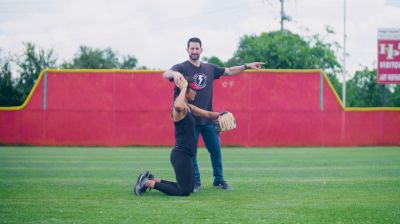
388,55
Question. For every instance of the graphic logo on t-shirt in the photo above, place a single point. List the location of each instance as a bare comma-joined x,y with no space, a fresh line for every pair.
200,80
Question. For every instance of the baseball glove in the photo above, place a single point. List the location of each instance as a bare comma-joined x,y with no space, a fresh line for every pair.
226,122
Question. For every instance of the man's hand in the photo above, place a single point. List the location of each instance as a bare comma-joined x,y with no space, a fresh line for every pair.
178,77
238,69
254,65
173,75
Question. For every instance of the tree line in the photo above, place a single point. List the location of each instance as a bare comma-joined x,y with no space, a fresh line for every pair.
278,49
13,91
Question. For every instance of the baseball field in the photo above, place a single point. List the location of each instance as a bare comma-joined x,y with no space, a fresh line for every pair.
271,185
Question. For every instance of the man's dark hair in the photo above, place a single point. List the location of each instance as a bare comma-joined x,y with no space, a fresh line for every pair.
194,40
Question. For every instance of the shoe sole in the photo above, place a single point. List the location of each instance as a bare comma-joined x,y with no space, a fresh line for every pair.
137,188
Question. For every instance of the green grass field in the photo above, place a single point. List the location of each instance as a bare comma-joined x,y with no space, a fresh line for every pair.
272,185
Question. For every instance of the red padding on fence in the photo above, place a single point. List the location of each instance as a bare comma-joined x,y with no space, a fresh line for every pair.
119,108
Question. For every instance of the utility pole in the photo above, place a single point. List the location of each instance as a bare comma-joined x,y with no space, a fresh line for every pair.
283,15
344,55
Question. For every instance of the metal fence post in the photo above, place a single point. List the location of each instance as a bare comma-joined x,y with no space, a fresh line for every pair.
321,92
44,90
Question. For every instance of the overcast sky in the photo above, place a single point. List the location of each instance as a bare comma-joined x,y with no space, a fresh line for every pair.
156,31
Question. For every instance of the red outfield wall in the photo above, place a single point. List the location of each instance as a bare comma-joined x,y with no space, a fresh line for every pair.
118,108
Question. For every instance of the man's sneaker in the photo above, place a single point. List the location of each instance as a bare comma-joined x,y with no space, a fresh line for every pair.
196,188
223,185
140,186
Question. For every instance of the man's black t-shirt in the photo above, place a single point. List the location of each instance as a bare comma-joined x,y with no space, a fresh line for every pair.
204,77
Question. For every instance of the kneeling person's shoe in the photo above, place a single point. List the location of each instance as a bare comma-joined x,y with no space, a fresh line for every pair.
149,175
140,186
223,185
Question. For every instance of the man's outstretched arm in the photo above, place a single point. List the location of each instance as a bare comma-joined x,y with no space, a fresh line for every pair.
238,69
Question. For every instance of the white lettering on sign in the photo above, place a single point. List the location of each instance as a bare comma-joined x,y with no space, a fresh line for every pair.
389,50
394,77
388,70
389,77
389,64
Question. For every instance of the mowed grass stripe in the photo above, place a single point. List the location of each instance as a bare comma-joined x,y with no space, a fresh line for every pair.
272,185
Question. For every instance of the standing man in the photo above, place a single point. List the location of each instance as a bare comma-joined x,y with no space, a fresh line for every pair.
203,75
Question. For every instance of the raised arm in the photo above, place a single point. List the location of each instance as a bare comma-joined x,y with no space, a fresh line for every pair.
180,106
203,113
238,69
173,75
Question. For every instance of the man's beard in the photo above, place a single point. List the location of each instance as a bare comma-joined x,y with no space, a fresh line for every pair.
194,57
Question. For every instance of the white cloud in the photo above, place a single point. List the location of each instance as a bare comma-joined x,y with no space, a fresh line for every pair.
393,3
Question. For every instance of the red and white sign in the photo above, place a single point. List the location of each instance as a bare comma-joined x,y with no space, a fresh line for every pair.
389,55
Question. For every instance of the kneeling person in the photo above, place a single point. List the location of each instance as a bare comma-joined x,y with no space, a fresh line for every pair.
184,149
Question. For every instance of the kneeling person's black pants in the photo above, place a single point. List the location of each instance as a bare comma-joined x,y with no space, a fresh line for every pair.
184,173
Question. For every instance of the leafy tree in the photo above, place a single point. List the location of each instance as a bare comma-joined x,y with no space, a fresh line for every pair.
9,96
283,50
286,50
362,89
32,62
214,60
394,97
128,62
99,59
335,83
